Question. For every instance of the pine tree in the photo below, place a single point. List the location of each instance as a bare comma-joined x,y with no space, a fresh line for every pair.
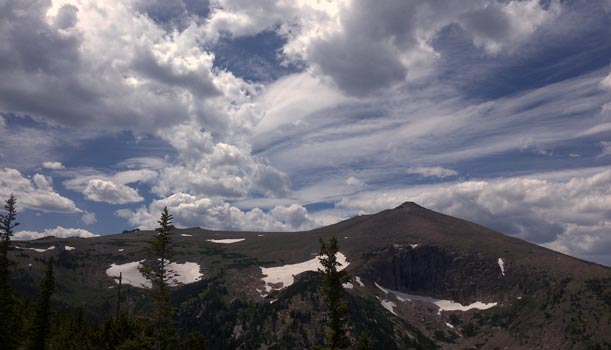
39,331
157,271
7,300
333,294
363,343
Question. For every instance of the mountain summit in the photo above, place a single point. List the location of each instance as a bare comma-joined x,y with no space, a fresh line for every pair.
420,279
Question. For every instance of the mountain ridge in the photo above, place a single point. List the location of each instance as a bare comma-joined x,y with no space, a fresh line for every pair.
408,249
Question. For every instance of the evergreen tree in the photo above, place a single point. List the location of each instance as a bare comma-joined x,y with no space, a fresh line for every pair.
157,271
333,294
39,330
7,300
363,343
195,341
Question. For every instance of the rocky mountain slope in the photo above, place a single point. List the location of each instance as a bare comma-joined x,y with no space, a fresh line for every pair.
420,279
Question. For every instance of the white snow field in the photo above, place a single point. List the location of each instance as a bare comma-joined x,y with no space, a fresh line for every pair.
443,305
388,305
502,266
358,280
187,272
38,250
348,285
186,235
280,277
69,248
226,241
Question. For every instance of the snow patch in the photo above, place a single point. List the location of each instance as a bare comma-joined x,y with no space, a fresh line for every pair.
69,248
502,266
38,250
120,250
443,305
260,235
449,325
414,245
382,288
348,285
358,280
280,277
388,305
226,241
187,272
186,235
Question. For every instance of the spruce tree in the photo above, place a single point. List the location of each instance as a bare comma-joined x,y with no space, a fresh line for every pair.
7,300
39,331
157,271
333,295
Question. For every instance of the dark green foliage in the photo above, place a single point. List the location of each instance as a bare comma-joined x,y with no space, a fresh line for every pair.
333,294
156,270
195,341
601,287
454,320
469,330
39,330
7,299
363,343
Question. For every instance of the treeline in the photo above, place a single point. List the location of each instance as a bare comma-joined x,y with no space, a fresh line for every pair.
40,324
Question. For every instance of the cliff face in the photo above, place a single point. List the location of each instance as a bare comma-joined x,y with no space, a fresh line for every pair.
425,280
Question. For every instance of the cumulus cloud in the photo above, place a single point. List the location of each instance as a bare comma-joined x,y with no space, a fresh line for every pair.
35,194
99,190
59,232
213,168
353,181
89,218
53,165
189,210
435,171
106,65
569,214
102,187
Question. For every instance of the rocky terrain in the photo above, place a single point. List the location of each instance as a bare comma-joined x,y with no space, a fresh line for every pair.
420,279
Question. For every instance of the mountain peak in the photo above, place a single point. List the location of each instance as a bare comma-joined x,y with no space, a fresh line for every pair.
409,205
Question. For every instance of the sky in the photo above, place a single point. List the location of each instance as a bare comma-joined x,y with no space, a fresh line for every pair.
293,114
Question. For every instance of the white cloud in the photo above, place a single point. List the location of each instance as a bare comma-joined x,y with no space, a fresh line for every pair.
101,187
189,211
429,126
606,82
435,171
213,168
42,183
36,194
105,64
59,232
353,181
606,148
109,192
89,218
53,165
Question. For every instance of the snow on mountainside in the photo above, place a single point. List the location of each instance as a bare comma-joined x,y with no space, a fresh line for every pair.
419,279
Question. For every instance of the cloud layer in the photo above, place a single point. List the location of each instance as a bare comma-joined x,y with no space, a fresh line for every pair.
191,211
36,193
59,232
